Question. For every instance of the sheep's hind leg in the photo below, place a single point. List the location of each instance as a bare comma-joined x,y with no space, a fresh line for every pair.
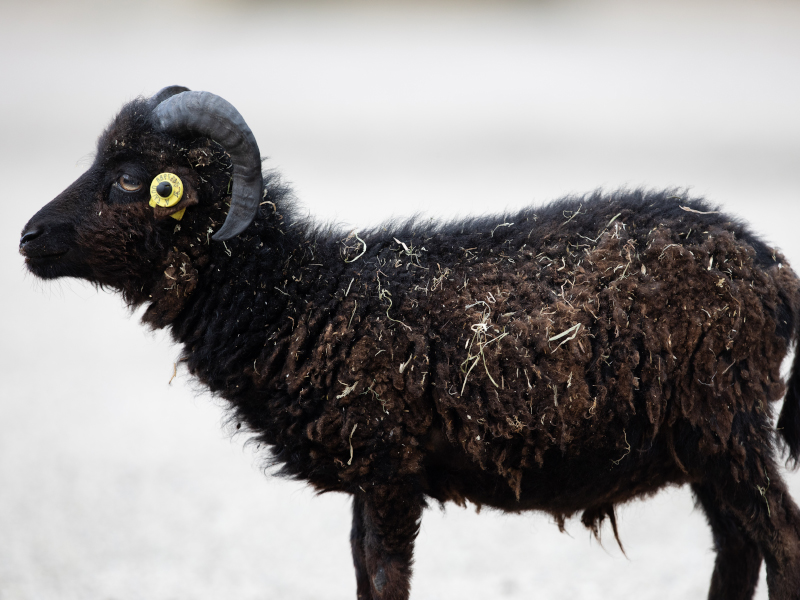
363,586
738,558
385,525
760,508
778,534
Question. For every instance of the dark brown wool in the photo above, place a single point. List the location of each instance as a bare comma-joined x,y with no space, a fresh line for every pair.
565,358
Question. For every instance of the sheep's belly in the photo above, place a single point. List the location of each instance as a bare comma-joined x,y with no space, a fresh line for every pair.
562,485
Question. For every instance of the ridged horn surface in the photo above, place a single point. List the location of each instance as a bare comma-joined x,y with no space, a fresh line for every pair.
206,114
166,92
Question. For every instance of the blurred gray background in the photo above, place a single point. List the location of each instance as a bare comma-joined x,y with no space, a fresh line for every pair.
116,485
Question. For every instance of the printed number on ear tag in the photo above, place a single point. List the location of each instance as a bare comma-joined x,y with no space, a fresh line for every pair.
166,191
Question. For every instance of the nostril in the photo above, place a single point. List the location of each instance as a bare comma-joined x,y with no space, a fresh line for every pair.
30,235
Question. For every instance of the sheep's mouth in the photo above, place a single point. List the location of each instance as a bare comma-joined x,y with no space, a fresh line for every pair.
33,256
36,261
49,265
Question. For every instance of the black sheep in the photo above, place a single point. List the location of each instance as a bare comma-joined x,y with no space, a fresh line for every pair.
563,359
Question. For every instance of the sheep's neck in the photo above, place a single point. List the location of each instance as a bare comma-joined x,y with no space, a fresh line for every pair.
250,302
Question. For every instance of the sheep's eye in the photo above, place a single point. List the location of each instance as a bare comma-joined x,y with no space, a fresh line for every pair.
129,183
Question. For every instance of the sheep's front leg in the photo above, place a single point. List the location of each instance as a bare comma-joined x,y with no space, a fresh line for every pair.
385,525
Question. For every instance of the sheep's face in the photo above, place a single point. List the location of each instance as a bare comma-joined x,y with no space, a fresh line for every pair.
102,228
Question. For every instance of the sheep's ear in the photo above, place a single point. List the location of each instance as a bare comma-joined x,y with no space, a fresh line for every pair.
171,195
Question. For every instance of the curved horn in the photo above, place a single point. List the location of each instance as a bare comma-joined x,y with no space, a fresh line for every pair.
208,115
165,93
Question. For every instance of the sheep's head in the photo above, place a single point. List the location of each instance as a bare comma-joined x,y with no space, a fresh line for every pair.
116,226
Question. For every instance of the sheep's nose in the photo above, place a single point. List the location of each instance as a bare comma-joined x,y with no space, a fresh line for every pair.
29,235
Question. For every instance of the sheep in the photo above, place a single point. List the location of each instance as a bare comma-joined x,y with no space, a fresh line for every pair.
565,359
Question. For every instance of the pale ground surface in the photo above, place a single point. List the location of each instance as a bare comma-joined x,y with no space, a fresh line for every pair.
115,485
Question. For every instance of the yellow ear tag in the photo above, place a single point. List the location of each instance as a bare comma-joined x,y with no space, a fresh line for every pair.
165,191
